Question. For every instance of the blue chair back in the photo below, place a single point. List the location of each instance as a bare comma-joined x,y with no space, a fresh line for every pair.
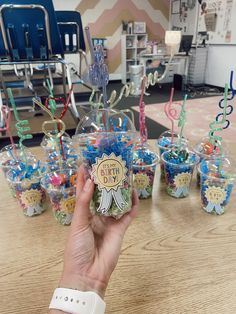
71,30
25,30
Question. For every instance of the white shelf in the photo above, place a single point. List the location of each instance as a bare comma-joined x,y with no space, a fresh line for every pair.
129,54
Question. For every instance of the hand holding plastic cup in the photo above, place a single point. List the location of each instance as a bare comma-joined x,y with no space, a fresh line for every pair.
25,182
178,168
217,178
144,168
105,139
61,189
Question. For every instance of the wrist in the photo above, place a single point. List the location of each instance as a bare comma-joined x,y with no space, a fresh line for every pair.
82,283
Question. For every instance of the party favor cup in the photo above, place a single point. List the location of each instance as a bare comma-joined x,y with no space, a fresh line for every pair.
109,158
165,142
144,167
28,192
52,147
207,151
216,184
10,156
61,189
178,174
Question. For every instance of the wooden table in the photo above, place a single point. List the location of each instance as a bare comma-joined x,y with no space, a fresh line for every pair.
175,259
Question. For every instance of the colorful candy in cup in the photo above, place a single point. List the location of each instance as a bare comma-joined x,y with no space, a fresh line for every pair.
179,166
206,151
61,189
166,142
52,146
144,167
10,156
217,177
25,181
108,156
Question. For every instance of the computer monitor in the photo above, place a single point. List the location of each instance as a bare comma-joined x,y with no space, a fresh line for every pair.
186,43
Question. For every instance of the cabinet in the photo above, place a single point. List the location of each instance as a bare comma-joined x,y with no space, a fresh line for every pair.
131,46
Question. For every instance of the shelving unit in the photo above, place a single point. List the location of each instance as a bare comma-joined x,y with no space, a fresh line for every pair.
197,65
131,46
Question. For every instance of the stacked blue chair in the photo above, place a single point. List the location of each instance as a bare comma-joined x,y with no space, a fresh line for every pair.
71,31
29,30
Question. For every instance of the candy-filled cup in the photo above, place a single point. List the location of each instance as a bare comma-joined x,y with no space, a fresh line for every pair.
217,178
178,173
28,192
14,159
207,151
144,168
61,189
10,156
165,142
108,156
53,146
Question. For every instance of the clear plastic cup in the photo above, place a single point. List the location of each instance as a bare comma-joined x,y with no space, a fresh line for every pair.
52,146
28,192
61,189
110,166
144,168
217,178
207,151
108,156
178,176
10,156
165,142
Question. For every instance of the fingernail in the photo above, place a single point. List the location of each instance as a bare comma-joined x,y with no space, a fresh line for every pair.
87,185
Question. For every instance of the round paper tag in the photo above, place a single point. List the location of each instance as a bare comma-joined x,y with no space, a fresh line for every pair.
31,197
68,205
182,180
215,195
109,172
141,181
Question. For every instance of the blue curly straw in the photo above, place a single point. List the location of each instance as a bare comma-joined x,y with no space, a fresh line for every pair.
229,108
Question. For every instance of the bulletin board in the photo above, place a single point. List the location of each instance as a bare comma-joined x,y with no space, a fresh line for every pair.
217,17
184,16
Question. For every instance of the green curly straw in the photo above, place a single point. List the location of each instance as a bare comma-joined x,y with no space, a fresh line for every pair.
21,127
182,121
52,103
217,126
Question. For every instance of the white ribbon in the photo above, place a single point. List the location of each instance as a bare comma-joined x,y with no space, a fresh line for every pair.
106,200
211,206
181,190
143,193
34,210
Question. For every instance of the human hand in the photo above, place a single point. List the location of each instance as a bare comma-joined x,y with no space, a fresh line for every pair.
94,242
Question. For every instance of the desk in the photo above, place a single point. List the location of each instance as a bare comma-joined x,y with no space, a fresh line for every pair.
180,60
175,259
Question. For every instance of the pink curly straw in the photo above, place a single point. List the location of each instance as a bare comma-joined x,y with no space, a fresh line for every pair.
171,113
142,120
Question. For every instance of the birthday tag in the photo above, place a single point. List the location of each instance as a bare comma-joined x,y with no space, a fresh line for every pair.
141,181
215,195
109,172
182,180
31,197
68,205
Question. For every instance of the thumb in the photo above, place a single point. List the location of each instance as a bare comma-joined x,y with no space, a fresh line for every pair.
82,213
